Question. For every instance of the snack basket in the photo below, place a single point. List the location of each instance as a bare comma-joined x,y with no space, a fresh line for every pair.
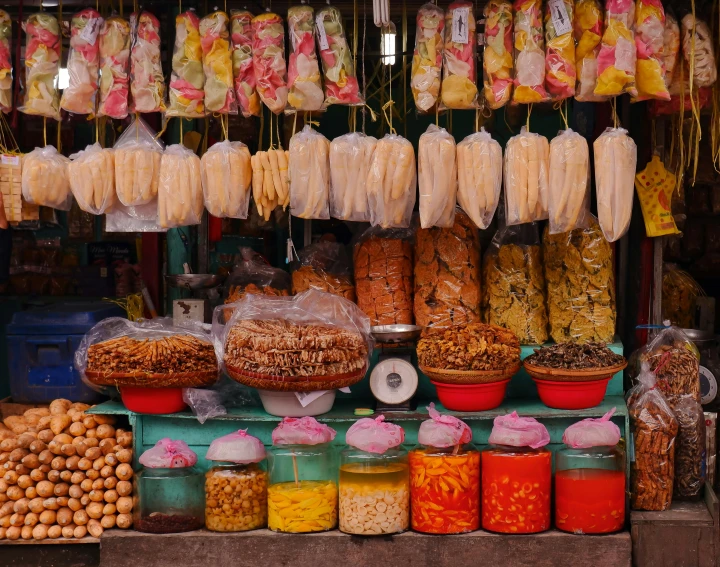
470,376
566,375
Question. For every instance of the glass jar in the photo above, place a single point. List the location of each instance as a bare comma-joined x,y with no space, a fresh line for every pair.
169,500
590,490
374,492
235,497
303,492
445,489
516,489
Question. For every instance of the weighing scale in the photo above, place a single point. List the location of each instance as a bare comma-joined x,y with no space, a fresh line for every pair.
203,289
394,380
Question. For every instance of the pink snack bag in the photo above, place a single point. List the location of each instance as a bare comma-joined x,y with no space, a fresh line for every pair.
592,432
374,435
302,431
238,447
168,454
517,431
443,430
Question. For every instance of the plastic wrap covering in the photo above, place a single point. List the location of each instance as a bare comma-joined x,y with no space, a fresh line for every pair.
511,430
324,266
114,54
498,53
459,89
137,164
180,193
92,179
302,431
168,454
479,163
391,183
650,41
188,78
679,296
437,177
593,432
617,57
447,274
255,276
6,67
268,53
697,44
671,47
513,284
42,66
350,159
82,63
560,73
45,179
270,183
242,36
304,85
529,53
309,170
615,162
427,57
579,272
226,179
588,24
569,203
217,63
341,84
147,82
374,435
527,162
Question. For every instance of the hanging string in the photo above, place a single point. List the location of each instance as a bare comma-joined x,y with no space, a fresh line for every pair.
181,131
388,119
437,115
270,131
527,121
60,22
44,129
262,127
277,131
363,63
404,64
696,128
613,109
97,131
294,125
561,107
224,123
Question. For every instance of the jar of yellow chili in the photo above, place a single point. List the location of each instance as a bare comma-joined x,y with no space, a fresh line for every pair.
303,493
444,477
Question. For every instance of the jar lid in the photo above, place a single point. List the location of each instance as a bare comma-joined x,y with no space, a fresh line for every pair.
443,430
302,431
238,447
515,431
168,454
374,435
592,432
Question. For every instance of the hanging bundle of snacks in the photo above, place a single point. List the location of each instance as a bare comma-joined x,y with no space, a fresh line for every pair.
341,84
242,37
650,41
304,85
82,64
147,83
180,193
270,182
45,179
268,54
309,171
588,26
529,53
391,182
697,44
92,178
6,67
617,57
187,79
114,54
459,89
42,66
137,164
437,177
560,73
427,57
217,63
226,178
350,159
479,164
569,201
497,55
527,158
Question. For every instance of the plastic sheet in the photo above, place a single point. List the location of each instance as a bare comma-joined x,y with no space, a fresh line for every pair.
238,447
304,85
188,78
147,81
142,218
593,432
350,159
427,57
618,54
588,25
114,56
671,47
437,177
217,63
498,53
168,454
180,193
391,183
675,360
527,161
309,171
6,67
137,164
374,435
443,431
512,430
242,36
459,90
268,52
324,266
560,72
92,179
650,43
480,172
569,203
205,404
226,179
302,431
42,66
529,53
82,63
45,179
699,52
341,84
270,181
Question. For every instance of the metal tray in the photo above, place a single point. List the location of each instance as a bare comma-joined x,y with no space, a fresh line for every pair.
392,334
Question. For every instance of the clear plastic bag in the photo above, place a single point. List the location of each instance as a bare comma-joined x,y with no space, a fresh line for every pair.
617,58
690,447
699,51
226,179
427,57
498,53
437,177
560,72
42,66
514,431
205,404
588,34
141,218
188,78
82,63
217,63
650,43
527,164
443,430
529,53
180,193
255,276
675,360
45,179
615,157
270,181
341,84
391,183
268,53
238,447
242,36
304,85
480,173
6,66
302,431
92,178
168,454
147,82
679,295
459,86
114,55
593,432
137,164
350,159
671,46
309,171
324,266
374,435
569,203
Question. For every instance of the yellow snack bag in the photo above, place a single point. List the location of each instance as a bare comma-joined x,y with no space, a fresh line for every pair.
655,186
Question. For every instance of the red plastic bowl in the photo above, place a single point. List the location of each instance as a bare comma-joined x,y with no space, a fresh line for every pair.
152,400
572,395
471,397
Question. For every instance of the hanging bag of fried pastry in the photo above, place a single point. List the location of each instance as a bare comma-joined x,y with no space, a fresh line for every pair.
697,44
270,181
527,158
137,164
479,163
325,266
45,179
226,178
569,201
350,159
437,177
92,178
180,193
309,171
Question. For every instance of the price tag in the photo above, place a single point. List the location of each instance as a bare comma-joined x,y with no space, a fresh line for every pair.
460,24
322,36
90,31
560,19
306,398
10,160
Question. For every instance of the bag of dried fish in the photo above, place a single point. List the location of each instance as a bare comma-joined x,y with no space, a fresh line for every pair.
324,266
589,356
513,283
254,275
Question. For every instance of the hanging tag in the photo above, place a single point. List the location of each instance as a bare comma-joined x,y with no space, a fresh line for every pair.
560,19
460,23
90,32
10,160
322,36
289,250
480,32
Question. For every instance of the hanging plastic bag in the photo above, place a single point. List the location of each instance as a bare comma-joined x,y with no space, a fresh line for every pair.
238,447
226,179
529,53
168,454
268,52
350,159
42,66
270,181
114,55
560,72
374,435
569,203
479,165
588,25
6,68
650,42
302,431
304,84
443,430
180,193
254,275
309,171
618,54
671,47
427,57
341,84
242,37
217,64
391,183
615,156
137,164
697,43
188,78
655,186
147,82
515,431
527,162
498,53
45,179
459,90
674,359
142,218
324,266
593,432
92,179
437,177
82,64
205,404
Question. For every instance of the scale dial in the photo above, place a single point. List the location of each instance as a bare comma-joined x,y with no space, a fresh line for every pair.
393,381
